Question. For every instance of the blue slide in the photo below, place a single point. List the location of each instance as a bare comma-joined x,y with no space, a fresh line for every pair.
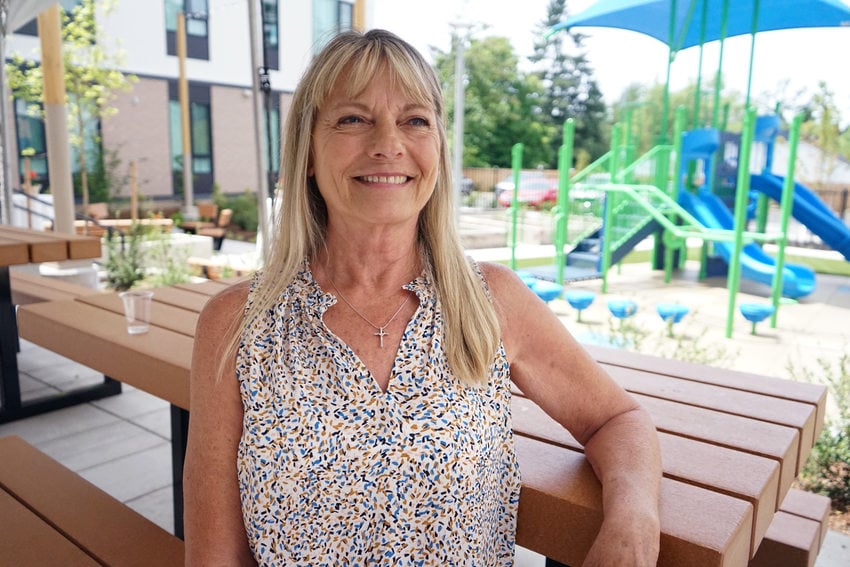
808,208
797,281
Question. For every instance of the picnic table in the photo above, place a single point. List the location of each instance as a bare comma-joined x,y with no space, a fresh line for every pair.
20,246
732,443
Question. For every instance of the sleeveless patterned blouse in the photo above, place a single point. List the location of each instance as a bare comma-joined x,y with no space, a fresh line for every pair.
334,471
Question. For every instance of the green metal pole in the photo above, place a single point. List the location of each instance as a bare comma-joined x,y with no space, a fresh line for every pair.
565,163
715,120
752,50
516,165
785,214
671,54
610,201
740,214
698,93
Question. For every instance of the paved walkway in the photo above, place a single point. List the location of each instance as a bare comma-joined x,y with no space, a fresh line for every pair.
122,444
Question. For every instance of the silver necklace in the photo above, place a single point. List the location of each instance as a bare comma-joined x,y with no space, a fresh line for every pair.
381,329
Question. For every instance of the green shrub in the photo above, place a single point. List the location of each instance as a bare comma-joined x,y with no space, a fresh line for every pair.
828,468
244,207
124,259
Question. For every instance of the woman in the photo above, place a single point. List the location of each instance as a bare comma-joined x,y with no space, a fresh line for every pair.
361,414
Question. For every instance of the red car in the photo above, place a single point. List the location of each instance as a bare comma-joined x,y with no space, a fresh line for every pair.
533,194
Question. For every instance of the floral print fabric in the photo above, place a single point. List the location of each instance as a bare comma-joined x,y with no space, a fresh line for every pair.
334,471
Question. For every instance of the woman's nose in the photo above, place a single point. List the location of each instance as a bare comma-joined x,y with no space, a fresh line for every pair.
385,141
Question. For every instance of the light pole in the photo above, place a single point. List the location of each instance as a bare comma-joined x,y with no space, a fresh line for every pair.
459,33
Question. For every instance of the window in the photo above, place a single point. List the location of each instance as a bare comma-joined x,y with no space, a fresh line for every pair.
200,126
31,27
329,18
31,143
197,28
271,41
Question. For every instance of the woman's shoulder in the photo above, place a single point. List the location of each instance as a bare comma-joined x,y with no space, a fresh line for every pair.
230,300
500,278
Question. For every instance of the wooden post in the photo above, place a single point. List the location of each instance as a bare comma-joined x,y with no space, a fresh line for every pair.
56,119
134,192
189,210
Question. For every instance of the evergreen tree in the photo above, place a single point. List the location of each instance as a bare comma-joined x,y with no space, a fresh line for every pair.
501,105
569,89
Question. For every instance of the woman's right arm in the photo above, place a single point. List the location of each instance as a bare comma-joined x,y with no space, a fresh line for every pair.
214,532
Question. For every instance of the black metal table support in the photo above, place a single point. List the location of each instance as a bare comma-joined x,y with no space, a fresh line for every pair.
179,435
11,405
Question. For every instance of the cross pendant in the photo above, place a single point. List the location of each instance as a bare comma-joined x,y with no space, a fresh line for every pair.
381,334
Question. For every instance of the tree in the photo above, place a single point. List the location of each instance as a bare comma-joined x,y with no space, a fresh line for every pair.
569,89
500,105
92,80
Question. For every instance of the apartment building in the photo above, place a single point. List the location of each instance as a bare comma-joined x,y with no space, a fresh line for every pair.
147,127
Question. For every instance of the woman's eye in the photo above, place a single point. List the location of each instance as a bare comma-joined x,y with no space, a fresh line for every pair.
419,121
350,120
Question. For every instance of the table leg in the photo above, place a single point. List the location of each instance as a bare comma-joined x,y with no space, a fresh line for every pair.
179,435
11,405
10,389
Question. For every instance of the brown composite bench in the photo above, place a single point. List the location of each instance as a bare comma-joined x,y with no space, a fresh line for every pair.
219,230
730,452
796,534
54,517
32,288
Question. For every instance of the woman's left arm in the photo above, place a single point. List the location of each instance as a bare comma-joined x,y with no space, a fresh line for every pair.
553,370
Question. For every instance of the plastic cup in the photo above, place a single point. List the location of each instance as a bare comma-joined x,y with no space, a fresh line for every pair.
137,310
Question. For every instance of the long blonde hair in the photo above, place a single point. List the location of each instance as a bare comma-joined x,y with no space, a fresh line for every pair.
470,325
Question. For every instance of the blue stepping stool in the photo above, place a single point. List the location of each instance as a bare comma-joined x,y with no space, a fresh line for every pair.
671,313
755,313
579,300
622,308
546,290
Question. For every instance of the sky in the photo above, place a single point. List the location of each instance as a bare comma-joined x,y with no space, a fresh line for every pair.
803,57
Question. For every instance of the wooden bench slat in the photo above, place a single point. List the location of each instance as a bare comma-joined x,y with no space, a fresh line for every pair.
26,539
108,530
720,523
736,402
742,475
815,507
129,356
814,394
180,298
164,315
30,288
790,541
211,287
769,440
13,252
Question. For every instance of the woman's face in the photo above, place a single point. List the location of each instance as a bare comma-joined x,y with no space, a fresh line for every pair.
375,156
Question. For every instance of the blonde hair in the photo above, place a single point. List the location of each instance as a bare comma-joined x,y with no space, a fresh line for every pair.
471,328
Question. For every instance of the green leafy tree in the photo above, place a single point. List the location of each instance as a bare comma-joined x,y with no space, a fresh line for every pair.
92,80
501,105
569,88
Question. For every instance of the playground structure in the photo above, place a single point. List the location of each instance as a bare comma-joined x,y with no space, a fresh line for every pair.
682,191
676,192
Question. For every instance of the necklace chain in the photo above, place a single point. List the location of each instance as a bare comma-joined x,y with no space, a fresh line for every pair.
381,332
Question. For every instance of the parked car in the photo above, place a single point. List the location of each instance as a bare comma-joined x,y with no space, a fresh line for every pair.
532,193
466,186
507,184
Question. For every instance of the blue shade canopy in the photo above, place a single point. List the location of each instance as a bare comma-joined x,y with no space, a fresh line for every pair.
652,18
